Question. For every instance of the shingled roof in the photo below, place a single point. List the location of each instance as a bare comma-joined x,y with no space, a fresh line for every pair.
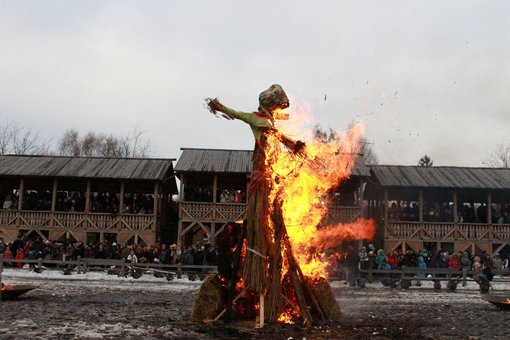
231,161
442,177
86,167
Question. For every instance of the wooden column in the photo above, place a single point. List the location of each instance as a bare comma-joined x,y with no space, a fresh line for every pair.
385,208
156,198
489,215
212,235
179,232
54,195
489,207
181,189
21,190
421,205
121,198
455,208
214,187
87,197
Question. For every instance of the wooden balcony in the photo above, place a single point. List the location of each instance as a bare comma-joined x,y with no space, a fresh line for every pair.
342,214
211,212
231,212
436,232
76,221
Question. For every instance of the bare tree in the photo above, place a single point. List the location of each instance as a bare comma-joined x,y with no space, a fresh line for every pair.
132,145
15,139
366,150
499,157
425,161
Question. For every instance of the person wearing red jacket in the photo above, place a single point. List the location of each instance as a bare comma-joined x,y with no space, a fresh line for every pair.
7,255
454,262
20,256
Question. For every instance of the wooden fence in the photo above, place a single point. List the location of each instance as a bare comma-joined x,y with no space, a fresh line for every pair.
405,275
119,267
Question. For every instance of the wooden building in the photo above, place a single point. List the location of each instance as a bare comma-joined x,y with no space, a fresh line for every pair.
85,198
213,193
441,207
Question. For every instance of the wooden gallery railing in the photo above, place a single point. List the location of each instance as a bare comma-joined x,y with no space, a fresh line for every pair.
211,212
447,231
70,221
230,212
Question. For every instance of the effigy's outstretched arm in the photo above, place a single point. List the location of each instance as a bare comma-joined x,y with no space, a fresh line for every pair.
215,106
297,147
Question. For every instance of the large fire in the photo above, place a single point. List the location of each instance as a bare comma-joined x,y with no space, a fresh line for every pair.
303,184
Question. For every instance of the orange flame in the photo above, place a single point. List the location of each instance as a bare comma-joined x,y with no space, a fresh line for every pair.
303,183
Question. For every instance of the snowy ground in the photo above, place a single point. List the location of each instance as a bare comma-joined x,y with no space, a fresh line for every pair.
96,305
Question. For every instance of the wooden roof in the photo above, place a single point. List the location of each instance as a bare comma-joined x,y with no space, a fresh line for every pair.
442,177
147,169
215,161
231,161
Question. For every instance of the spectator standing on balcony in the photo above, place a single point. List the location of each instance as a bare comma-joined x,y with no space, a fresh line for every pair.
238,197
7,203
225,197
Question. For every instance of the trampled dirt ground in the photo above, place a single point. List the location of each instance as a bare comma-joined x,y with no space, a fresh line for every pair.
93,308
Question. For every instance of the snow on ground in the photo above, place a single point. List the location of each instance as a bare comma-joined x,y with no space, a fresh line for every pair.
96,279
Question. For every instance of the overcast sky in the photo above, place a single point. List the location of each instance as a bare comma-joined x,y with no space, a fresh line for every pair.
425,77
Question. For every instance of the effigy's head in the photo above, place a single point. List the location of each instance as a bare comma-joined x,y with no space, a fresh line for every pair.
273,98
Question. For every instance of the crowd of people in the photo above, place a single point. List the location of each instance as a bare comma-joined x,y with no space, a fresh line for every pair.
400,211
368,258
22,248
199,193
75,202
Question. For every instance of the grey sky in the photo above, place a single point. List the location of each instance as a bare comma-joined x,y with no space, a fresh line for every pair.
426,77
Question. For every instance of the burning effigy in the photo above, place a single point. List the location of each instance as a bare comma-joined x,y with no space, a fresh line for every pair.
278,267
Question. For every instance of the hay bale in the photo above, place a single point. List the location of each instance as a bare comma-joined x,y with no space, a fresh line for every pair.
209,301
326,300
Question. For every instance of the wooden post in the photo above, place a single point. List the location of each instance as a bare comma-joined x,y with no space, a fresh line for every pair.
385,208
1,270
21,190
121,198
212,236
261,311
455,208
179,270
87,197
54,195
156,199
489,215
39,264
78,265
179,232
214,188
421,205
464,277
181,192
